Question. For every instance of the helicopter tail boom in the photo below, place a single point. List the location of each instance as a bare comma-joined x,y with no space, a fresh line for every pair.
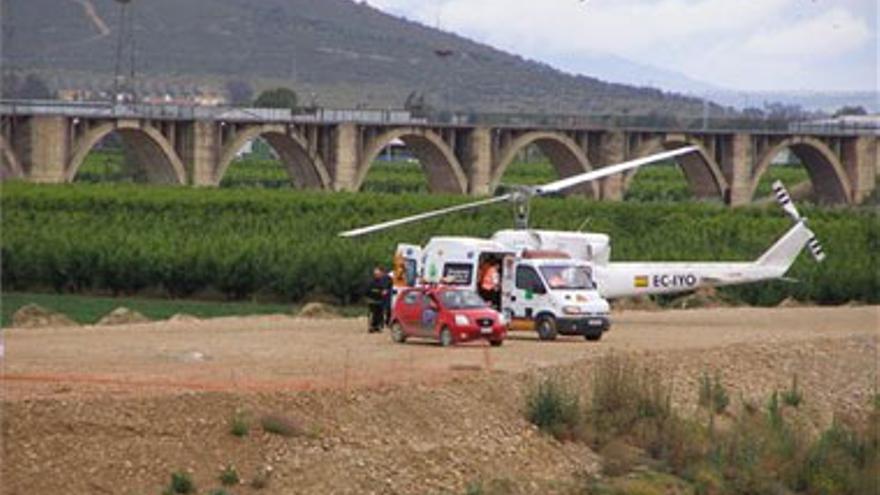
634,279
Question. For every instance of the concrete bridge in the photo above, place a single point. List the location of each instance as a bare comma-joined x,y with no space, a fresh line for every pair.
334,150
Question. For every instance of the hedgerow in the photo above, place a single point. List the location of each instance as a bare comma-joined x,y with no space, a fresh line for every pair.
282,244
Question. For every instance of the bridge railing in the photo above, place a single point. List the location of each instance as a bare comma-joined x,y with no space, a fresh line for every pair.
649,122
653,122
192,112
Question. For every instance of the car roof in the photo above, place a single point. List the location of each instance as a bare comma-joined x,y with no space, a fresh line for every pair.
437,289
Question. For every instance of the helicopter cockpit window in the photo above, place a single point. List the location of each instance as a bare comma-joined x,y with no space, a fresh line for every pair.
527,279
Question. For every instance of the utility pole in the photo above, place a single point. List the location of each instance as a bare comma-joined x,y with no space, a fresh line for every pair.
124,40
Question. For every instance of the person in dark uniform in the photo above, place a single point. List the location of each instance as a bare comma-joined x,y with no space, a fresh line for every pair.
388,284
377,292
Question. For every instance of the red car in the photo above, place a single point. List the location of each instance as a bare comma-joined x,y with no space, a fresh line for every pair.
446,315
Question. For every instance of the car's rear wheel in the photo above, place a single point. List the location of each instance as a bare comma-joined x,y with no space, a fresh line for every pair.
397,333
446,339
546,327
593,337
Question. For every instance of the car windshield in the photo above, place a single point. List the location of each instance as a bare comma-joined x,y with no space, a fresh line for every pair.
462,299
568,277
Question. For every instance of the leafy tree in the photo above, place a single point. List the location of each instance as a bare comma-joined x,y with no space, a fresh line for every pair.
29,88
850,110
277,98
240,92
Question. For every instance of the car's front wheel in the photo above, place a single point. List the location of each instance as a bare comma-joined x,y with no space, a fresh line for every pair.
496,343
397,333
446,339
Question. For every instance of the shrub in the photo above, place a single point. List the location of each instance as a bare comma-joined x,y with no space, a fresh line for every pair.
554,409
793,396
493,487
239,425
622,395
219,491
281,425
713,394
181,483
262,478
229,476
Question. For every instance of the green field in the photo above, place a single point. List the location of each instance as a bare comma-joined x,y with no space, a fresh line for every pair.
662,182
281,246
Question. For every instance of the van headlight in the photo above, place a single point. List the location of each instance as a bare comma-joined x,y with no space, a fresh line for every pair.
462,320
572,310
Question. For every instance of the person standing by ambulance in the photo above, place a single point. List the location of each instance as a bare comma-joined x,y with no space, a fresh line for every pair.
490,284
377,293
387,296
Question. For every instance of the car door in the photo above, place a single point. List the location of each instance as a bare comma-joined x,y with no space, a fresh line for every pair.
410,312
430,312
529,293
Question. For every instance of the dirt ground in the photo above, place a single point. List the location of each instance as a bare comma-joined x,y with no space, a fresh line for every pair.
117,409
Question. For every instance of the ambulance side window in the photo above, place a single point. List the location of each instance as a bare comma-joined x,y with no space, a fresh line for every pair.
458,273
527,279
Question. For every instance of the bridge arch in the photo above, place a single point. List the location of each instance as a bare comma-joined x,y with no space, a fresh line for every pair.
10,167
439,163
306,170
703,174
827,175
150,148
564,154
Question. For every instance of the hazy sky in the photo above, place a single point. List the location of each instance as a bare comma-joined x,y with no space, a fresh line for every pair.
737,44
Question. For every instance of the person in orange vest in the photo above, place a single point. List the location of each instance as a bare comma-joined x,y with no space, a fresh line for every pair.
490,283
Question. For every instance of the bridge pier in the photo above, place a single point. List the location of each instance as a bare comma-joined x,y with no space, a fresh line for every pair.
45,149
611,150
861,159
200,152
737,158
345,157
478,161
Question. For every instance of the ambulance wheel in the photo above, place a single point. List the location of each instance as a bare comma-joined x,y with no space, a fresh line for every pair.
397,334
546,328
446,337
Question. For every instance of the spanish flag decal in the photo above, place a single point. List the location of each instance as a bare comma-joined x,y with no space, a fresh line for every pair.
641,281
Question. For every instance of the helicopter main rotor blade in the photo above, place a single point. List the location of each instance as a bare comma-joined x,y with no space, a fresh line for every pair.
424,216
569,182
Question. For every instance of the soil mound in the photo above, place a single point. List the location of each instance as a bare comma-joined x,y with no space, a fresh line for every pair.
35,316
184,318
643,303
790,302
702,298
122,316
317,311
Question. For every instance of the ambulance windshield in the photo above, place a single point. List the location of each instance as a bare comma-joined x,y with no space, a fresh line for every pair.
462,299
568,277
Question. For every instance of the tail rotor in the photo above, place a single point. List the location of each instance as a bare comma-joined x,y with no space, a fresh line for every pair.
785,201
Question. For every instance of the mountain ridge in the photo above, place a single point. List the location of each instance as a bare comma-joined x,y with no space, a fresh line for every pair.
335,52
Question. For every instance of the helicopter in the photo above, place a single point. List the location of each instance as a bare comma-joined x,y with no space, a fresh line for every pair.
557,282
